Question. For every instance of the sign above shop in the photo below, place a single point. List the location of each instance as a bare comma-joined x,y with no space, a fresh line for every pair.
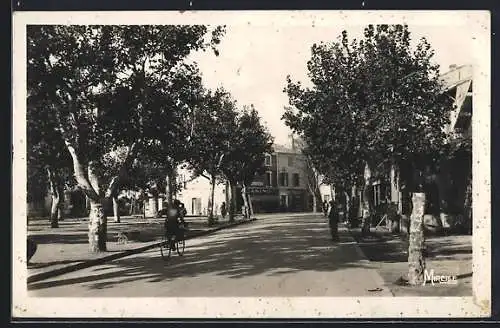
263,191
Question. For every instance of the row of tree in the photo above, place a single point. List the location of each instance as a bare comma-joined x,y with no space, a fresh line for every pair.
120,107
375,104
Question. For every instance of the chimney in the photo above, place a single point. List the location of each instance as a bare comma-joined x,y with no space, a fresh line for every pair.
452,67
292,140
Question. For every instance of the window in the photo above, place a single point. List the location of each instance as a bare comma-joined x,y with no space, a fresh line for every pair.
268,178
267,160
296,181
290,161
284,179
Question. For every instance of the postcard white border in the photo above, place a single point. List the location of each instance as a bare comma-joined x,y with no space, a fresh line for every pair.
303,307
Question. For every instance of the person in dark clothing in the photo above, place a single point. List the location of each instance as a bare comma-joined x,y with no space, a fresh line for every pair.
353,213
223,210
173,221
333,219
325,208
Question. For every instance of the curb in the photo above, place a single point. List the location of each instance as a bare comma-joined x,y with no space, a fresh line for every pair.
87,264
359,251
378,279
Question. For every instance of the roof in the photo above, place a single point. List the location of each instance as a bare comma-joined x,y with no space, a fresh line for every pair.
283,149
456,75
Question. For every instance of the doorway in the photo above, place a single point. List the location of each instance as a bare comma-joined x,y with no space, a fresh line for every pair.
196,206
284,202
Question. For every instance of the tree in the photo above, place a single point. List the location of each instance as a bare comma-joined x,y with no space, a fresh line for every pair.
109,87
313,177
245,158
48,161
215,122
150,172
327,117
387,108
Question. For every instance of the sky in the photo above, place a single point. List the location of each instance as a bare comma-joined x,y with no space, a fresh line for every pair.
255,60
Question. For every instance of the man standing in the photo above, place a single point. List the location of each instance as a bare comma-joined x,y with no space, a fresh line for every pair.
325,208
223,210
333,220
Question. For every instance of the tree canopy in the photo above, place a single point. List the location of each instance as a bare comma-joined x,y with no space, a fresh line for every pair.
110,92
107,87
376,100
248,146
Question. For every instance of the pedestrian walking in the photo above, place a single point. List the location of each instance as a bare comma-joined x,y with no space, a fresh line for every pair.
325,208
333,220
223,210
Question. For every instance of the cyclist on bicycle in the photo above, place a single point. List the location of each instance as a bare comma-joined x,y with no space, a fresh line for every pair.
173,221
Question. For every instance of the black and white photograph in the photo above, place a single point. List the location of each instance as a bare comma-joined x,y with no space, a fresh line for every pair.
271,164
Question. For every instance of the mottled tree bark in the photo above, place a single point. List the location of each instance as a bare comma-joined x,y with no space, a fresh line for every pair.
232,200
250,206
366,205
88,181
55,210
169,189
416,260
211,218
97,227
246,206
315,203
57,192
392,211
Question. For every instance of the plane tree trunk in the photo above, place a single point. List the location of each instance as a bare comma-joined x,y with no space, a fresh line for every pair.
416,260
211,218
246,205
232,200
366,204
89,183
116,209
56,192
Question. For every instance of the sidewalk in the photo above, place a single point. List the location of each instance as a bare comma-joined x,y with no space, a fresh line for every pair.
65,249
450,255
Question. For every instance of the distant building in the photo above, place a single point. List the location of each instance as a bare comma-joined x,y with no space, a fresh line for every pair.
195,193
292,179
281,188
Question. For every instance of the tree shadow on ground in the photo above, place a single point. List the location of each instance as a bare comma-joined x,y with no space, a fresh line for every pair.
79,234
285,247
39,265
386,247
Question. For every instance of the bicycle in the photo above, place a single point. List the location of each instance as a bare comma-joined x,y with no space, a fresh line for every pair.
166,247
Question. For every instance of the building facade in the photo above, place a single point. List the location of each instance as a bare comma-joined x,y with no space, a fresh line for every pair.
281,188
195,193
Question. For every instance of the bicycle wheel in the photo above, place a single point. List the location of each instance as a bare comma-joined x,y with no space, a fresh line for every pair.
180,246
165,247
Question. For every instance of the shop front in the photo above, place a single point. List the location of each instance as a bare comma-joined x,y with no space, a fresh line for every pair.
264,199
